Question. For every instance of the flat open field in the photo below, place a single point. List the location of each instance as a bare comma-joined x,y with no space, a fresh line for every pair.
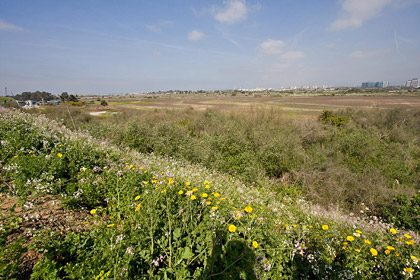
294,105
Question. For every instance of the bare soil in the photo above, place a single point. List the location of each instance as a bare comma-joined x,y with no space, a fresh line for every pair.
43,213
300,105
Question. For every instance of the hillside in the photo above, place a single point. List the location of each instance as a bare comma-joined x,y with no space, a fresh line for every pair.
75,207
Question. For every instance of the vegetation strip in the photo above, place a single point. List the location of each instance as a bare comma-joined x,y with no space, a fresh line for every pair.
152,217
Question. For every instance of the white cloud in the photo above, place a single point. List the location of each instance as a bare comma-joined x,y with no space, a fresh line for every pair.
271,47
355,12
365,54
292,55
5,26
280,51
153,28
196,35
157,53
233,11
331,45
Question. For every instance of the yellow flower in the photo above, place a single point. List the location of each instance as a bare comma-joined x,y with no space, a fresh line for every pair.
188,183
207,187
180,192
217,202
407,236
232,228
137,197
194,190
410,242
345,243
15,156
214,208
131,166
409,269
357,250
324,227
393,231
248,209
216,195
255,244
204,195
350,238
373,252
59,155
367,242
138,207
223,198
359,232
387,252
295,226
390,248
286,225
208,202
110,225
414,258
93,211
193,197
206,182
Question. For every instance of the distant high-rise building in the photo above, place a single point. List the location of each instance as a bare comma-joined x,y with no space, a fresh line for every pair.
415,83
368,85
374,84
408,83
386,84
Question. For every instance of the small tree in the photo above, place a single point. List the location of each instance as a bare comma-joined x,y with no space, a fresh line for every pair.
104,103
64,96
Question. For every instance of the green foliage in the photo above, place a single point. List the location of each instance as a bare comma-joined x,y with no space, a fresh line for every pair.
151,221
349,158
327,117
35,96
405,212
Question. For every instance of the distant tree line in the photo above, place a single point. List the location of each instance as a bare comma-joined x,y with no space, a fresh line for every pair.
35,96
66,97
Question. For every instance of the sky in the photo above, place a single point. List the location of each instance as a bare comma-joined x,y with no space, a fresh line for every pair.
109,47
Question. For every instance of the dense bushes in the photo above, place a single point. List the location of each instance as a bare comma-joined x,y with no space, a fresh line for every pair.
156,218
355,159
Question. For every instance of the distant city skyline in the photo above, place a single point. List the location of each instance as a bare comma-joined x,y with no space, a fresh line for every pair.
102,47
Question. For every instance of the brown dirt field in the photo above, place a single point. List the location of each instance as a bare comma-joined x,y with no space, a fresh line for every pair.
294,105
38,214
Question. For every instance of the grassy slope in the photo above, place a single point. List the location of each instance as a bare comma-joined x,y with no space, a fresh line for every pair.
368,161
158,217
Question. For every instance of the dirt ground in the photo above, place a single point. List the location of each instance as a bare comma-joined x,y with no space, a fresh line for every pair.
294,105
42,213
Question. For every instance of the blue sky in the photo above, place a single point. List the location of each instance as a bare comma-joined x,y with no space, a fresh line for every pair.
101,46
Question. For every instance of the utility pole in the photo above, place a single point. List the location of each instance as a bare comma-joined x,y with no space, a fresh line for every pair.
5,90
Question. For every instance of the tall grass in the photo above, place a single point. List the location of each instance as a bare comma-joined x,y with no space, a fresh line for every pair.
149,217
360,165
